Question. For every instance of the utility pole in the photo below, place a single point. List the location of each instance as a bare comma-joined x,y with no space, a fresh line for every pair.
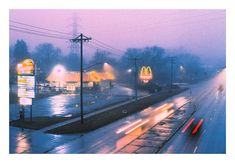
172,60
81,38
135,59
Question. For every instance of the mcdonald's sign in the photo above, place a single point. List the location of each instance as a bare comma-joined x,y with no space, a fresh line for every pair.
146,74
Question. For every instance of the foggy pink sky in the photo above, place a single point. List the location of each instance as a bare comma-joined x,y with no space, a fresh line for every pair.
201,32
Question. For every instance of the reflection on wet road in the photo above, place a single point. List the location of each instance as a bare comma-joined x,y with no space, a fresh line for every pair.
112,137
210,138
67,104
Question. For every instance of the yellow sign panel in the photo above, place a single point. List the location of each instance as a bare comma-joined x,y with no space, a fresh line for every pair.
146,74
26,86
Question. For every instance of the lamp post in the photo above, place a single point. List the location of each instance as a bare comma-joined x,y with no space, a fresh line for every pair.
129,71
182,70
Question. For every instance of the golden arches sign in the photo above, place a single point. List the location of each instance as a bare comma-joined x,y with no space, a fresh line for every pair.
146,74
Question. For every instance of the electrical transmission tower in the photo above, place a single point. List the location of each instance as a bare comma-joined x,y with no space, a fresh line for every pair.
74,47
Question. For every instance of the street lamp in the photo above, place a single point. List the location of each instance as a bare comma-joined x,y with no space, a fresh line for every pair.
108,68
182,70
129,70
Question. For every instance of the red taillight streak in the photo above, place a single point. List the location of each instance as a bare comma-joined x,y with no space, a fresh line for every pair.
187,126
197,127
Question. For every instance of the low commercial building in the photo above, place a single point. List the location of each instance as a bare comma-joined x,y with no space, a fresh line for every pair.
70,80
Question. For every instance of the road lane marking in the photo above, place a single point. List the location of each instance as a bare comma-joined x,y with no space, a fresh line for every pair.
204,132
195,150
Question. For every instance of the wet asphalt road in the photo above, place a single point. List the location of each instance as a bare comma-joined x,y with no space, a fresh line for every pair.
210,102
102,140
211,107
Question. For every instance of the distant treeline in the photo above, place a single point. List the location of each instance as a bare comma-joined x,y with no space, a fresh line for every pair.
187,67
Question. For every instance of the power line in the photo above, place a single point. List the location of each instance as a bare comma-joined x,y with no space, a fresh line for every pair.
56,31
38,34
108,45
51,30
50,35
101,48
189,22
35,31
104,48
169,21
97,42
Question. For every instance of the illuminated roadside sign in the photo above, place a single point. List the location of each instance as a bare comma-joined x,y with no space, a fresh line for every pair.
26,81
26,67
25,101
146,74
26,86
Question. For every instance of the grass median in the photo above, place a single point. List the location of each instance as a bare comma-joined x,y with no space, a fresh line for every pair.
38,122
98,120
111,115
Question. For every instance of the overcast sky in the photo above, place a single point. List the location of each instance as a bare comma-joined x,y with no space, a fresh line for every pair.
201,32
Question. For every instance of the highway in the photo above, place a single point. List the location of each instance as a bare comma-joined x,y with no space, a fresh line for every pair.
107,139
208,96
211,110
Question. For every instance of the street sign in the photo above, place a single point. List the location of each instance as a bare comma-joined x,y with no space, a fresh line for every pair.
25,101
26,86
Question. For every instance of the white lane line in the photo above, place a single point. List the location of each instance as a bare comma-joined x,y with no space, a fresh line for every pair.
204,132
195,150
